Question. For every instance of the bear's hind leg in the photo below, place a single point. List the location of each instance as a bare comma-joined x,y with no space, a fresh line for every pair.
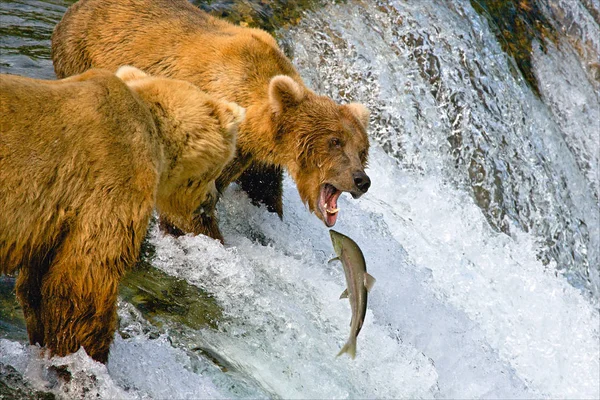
79,292
79,307
29,292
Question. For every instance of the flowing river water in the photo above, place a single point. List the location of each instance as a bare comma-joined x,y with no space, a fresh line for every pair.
482,224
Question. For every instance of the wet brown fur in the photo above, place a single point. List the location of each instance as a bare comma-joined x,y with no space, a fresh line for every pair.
287,126
83,162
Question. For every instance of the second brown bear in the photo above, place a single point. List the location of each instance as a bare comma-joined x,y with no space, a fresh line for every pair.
323,145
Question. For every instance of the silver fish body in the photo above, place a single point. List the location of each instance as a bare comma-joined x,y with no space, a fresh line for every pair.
358,281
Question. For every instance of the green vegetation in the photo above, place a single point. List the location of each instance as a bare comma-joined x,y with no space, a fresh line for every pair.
517,23
12,321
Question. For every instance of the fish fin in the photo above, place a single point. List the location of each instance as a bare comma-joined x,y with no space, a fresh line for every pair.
344,294
333,259
349,347
369,281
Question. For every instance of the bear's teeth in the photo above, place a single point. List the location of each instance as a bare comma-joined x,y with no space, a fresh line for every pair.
333,211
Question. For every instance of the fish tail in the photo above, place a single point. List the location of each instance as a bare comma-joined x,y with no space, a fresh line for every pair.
349,347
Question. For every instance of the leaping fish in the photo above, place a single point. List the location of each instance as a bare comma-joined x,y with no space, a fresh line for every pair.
359,283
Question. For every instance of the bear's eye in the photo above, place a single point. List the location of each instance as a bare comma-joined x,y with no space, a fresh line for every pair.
335,142
363,156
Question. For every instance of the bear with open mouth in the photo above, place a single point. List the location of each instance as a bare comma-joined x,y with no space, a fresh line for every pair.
323,145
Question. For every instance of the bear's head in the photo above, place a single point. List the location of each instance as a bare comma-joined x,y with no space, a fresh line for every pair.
197,133
326,145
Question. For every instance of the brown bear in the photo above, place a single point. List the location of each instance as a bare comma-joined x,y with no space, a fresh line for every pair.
83,162
323,145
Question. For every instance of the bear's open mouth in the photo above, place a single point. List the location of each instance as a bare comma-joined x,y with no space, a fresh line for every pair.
328,197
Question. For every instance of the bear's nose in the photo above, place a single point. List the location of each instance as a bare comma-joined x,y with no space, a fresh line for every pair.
362,181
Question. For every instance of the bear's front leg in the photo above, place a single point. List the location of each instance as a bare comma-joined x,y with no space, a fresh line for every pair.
168,227
263,183
201,224
202,221
206,223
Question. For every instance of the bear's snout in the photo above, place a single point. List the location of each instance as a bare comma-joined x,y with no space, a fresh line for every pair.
362,181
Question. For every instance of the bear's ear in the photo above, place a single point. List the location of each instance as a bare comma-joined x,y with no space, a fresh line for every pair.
236,113
361,112
128,73
284,92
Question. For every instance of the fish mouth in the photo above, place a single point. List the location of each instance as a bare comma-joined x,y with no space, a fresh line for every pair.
327,203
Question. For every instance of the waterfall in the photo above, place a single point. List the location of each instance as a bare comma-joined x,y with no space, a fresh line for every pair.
481,227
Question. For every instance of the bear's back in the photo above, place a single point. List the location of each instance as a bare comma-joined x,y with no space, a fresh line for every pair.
95,110
68,144
173,39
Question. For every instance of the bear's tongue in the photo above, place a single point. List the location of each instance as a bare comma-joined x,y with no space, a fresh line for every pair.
328,203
